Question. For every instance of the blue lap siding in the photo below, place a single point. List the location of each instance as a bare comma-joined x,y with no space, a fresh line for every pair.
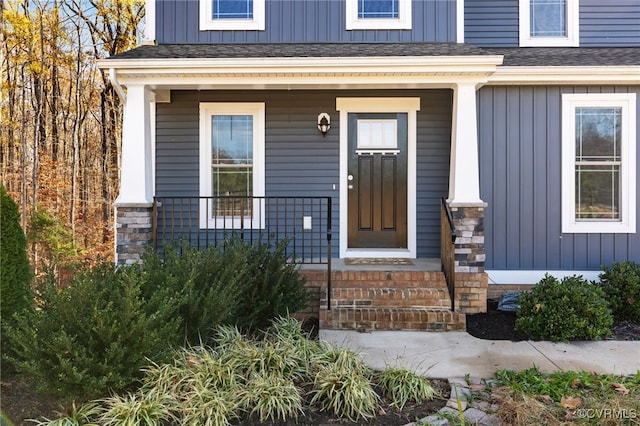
299,160
602,23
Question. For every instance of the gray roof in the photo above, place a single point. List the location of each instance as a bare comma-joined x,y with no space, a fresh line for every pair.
513,56
568,56
298,50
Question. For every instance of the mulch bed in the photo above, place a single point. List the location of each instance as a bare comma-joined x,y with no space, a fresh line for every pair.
20,401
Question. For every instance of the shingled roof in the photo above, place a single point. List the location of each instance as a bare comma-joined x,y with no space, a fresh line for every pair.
299,50
513,56
568,56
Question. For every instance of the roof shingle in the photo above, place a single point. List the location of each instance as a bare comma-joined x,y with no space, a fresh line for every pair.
513,56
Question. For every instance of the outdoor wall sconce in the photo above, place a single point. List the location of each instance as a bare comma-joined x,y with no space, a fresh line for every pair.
324,123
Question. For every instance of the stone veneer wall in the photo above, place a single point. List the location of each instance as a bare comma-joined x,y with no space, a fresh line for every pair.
471,279
134,232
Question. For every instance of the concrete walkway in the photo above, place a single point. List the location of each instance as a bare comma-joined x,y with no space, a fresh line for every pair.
455,354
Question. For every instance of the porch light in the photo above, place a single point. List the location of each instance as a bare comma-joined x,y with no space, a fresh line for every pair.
324,123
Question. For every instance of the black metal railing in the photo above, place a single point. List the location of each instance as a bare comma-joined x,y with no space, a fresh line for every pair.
203,221
448,249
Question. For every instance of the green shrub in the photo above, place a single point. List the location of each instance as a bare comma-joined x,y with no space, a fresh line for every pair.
94,335
52,240
573,309
237,283
273,288
621,285
15,278
203,284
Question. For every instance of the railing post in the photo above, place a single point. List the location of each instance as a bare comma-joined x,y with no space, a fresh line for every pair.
328,253
154,224
447,249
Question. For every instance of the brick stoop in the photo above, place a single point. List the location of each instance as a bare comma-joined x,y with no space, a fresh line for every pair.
383,318
385,300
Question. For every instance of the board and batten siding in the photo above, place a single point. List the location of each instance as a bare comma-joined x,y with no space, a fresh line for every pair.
495,23
305,21
299,160
520,179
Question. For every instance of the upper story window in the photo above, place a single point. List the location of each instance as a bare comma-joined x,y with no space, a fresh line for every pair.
598,163
378,14
549,23
232,15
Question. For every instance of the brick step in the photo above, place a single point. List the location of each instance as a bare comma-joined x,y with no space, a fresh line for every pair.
378,279
391,297
368,319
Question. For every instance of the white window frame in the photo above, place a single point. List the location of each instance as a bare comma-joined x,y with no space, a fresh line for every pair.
627,103
207,23
572,38
257,111
402,22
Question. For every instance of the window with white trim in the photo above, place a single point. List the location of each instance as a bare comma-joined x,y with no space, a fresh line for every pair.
599,163
231,165
232,15
549,23
378,14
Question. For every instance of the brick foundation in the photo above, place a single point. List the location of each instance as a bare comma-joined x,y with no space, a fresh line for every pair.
471,279
496,290
134,227
471,292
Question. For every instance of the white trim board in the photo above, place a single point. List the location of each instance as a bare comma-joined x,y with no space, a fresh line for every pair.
505,277
410,106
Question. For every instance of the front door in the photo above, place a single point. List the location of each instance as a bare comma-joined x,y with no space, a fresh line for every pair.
377,180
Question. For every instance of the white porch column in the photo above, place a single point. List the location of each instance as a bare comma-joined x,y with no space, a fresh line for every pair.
136,179
134,205
467,209
464,175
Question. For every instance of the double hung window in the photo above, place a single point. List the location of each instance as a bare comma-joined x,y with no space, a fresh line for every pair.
549,23
232,14
599,163
231,164
378,14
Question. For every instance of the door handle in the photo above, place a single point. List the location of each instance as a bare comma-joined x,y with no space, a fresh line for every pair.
350,180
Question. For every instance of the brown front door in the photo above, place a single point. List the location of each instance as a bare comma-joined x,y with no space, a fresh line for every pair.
377,181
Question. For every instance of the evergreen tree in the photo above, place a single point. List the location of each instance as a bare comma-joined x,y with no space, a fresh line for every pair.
15,272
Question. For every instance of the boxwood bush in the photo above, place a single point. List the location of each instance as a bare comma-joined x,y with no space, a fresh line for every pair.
621,285
571,309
